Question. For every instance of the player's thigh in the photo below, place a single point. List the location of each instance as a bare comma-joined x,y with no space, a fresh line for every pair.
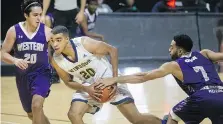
78,108
187,110
129,110
24,93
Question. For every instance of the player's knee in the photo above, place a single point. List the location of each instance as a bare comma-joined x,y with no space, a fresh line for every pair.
37,106
74,115
30,116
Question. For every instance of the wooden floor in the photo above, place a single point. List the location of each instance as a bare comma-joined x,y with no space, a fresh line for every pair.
156,97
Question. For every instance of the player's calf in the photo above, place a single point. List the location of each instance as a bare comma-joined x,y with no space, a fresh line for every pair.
75,117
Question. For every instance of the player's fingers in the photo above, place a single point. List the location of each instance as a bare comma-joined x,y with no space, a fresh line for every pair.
112,92
28,62
99,91
24,64
100,86
97,98
98,94
21,66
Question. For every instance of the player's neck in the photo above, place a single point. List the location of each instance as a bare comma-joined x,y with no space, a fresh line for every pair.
29,28
69,50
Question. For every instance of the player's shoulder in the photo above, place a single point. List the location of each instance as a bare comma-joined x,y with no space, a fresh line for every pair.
171,64
205,52
77,40
11,31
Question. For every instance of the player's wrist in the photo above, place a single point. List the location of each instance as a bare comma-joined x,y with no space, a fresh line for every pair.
85,88
14,60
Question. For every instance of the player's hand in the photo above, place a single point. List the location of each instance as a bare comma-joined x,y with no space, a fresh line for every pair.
112,93
93,92
80,17
102,83
20,63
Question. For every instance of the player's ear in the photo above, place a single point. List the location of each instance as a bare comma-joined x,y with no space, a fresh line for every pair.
25,15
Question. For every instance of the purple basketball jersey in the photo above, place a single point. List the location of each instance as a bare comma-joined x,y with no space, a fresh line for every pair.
198,71
32,49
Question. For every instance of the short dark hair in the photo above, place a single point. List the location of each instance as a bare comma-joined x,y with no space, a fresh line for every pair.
89,1
60,29
28,4
183,41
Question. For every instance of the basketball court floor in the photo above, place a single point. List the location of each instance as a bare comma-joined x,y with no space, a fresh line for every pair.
156,97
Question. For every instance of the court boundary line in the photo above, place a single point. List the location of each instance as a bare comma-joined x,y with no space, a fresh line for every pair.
53,119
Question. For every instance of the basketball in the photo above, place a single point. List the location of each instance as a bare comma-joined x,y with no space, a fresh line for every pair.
105,92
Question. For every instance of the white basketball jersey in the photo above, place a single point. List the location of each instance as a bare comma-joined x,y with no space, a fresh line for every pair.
87,67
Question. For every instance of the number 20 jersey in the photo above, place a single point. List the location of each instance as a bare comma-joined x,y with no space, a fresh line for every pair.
86,68
198,71
31,48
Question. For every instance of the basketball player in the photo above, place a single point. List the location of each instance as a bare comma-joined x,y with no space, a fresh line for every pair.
87,25
76,57
196,74
29,41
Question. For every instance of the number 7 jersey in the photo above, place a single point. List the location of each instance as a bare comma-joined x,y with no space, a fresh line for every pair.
198,71
87,67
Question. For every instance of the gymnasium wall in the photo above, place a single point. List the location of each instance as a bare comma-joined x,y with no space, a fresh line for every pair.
147,36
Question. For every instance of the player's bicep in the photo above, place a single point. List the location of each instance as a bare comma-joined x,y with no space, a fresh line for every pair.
96,47
9,40
62,74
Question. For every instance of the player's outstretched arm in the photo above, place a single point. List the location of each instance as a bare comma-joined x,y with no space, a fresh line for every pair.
213,56
162,71
102,48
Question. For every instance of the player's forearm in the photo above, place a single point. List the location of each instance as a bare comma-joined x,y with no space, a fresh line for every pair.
7,58
83,3
46,4
133,79
114,61
76,86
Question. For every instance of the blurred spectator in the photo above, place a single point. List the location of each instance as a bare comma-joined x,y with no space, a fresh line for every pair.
194,6
128,6
88,24
213,5
164,6
65,12
103,8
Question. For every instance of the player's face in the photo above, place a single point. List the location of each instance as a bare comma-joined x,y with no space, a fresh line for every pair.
59,42
34,16
92,7
173,50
